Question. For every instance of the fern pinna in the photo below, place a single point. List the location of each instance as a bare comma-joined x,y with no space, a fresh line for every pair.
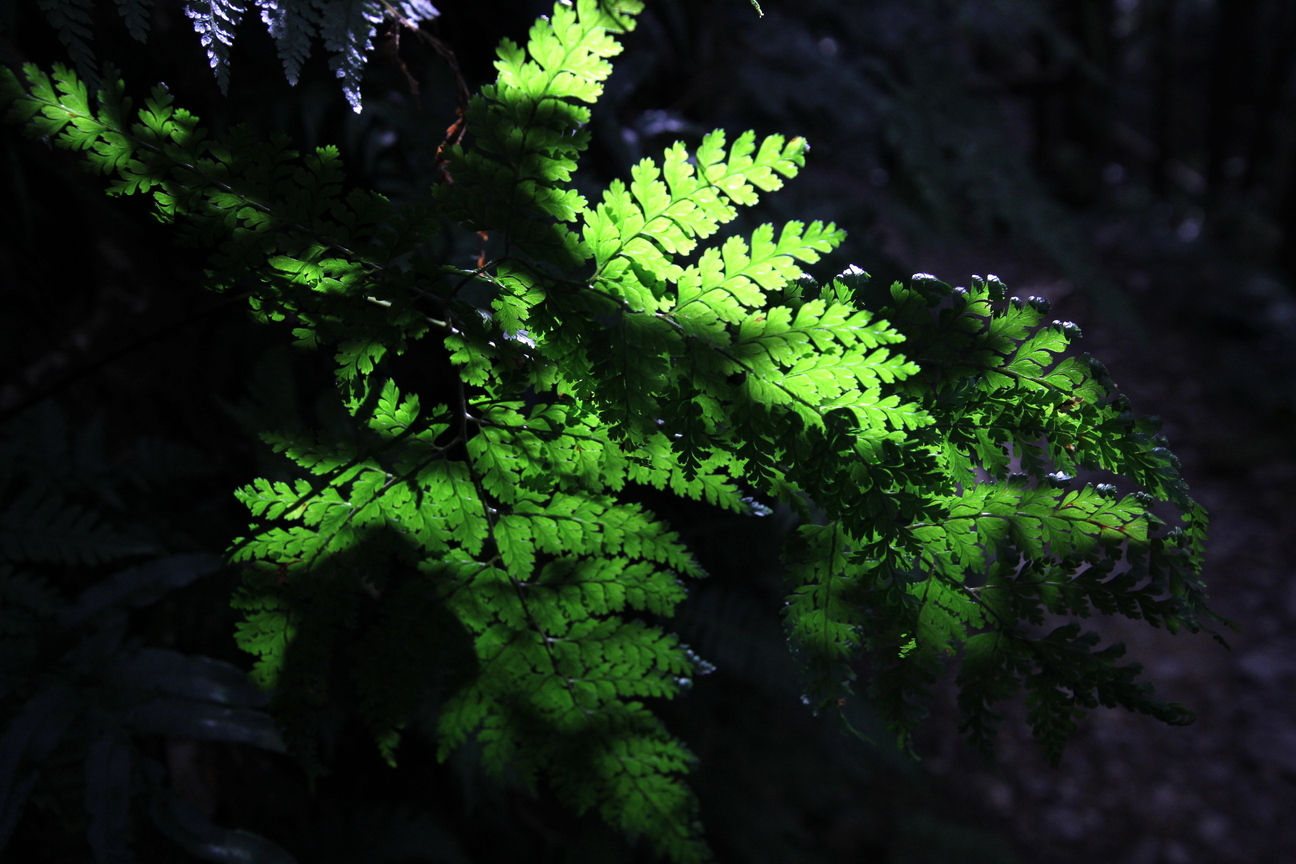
481,544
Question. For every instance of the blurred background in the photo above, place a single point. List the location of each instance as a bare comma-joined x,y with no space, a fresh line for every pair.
1134,161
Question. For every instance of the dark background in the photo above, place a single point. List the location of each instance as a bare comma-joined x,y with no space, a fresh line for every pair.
1132,160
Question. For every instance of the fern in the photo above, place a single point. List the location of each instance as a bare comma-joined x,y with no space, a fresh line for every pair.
72,20
475,543
81,693
346,26
80,699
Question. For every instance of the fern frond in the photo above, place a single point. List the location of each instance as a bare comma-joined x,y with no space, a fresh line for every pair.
215,22
347,28
323,260
292,26
528,128
728,281
38,525
664,211
71,18
138,15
